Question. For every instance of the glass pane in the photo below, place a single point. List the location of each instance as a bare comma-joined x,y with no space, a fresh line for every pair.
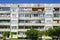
21,15
4,8
27,15
21,21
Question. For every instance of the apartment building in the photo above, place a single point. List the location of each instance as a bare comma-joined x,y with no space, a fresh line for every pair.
18,18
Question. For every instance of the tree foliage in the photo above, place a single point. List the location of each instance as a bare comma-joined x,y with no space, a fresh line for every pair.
33,34
5,34
50,32
53,32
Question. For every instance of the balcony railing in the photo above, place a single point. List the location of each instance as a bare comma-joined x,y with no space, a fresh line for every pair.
56,15
56,24
4,23
6,29
55,12
4,8
4,11
23,16
4,15
33,24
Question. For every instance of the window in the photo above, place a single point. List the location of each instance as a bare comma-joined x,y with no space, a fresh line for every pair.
21,33
13,9
56,15
21,27
14,15
14,27
48,15
41,27
48,21
27,15
21,21
5,27
56,21
38,21
48,8
42,21
55,26
33,21
27,27
4,8
24,8
14,21
21,15
27,21
37,9
27,8
4,14
34,15
56,9
35,27
41,15
21,9
4,21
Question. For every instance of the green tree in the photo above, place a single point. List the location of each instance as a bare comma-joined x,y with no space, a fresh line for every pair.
5,34
33,34
53,32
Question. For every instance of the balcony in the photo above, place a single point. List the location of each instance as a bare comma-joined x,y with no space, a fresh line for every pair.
4,28
21,34
4,15
56,22
37,16
25,11
31,22
31,16
23,29
30,10
38,9
4,10
55,12
55,26
4,22
56,16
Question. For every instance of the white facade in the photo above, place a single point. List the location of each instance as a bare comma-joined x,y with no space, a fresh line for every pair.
19,18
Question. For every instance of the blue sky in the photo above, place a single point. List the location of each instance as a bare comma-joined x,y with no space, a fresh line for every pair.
29,1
